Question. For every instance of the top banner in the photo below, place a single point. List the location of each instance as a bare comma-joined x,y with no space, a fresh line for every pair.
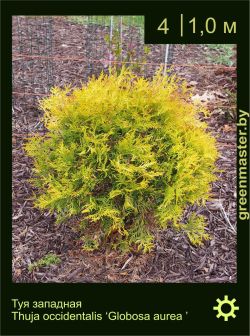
193,22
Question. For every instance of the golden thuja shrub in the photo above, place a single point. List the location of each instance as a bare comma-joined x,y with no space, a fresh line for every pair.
120,151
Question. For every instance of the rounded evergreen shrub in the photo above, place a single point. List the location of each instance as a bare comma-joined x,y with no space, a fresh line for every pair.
125,155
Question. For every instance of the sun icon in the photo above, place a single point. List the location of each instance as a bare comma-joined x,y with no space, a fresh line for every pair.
223,304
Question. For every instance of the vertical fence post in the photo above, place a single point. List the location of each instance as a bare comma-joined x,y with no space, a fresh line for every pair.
166,59
121,36
49,52
110,39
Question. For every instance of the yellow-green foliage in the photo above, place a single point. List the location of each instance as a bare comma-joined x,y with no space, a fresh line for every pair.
120,150
47,260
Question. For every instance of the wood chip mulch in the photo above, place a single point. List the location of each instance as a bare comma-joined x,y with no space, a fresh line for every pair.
174,259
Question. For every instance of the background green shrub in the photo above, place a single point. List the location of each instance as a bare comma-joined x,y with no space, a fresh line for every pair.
127,155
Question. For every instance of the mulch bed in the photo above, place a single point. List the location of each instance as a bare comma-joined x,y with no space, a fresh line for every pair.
174,259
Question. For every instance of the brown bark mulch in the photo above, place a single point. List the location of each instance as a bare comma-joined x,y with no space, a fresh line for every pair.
174,259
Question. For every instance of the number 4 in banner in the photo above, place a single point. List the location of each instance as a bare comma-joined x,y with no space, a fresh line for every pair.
164,26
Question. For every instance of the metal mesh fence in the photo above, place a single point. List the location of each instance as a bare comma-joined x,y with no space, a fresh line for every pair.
66,50
55,51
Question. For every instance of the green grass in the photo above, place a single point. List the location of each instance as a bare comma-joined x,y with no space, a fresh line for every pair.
136,21
223,54
47,260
